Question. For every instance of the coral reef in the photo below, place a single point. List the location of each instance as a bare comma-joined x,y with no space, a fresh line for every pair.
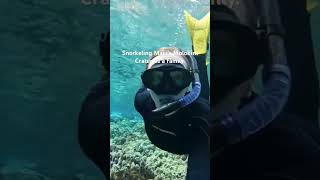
133,157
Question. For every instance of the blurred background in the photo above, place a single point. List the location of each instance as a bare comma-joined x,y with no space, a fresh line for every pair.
49,60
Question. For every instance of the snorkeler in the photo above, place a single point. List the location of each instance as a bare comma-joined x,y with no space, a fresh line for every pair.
174,94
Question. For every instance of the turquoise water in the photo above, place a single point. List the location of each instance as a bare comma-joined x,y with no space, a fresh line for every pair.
49,61
144,25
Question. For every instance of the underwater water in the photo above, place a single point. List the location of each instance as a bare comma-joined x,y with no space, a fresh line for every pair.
144,25
49,60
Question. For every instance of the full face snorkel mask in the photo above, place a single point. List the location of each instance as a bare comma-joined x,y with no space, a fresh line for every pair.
167,78
235,53
169,83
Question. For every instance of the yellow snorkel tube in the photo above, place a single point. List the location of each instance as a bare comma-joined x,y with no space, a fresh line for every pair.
199,31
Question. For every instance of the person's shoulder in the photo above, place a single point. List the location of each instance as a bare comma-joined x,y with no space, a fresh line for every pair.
143,101
142,96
